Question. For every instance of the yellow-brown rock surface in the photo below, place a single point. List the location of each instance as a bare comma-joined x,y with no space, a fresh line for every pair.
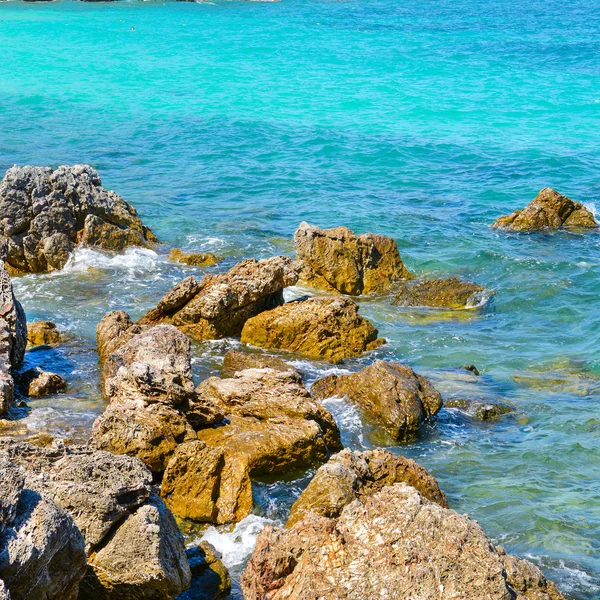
449,292
194,259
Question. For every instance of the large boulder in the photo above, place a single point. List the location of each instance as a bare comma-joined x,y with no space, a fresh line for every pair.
327,328
46,213
350,475
548,210
272,427
338,260
13,339
449,292
219,305
392,394
133,546
392,544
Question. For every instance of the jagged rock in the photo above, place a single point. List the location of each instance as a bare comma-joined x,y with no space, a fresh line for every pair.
35,383
46,213
350,475
392,544
481,408
194,259
4,593
219,305
13,338
42,332
548,210
390,393
321,327
134,548
338,260
210,578
272,427
235,361
42,553
114,330
449,292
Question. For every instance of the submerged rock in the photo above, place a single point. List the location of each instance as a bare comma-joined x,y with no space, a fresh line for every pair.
481,409
36,383
235,361
194,259
392,544
390,393
350,475
46,213
449,292
338,260
40,333
219,305
327,328
210,578
548,210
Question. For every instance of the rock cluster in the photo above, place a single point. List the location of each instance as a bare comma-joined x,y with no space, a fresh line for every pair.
219,305
548,210
337,260
448,292
46,213
80,523
194,259
391,394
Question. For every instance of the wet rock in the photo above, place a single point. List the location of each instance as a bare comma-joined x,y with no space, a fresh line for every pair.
439,293
548,210
481,409
320,328
356,475
235,361
272,428
41,333
210,578
338,260
390,393
13,339
472,369
36,383
46,213
219,305
194,259
394,543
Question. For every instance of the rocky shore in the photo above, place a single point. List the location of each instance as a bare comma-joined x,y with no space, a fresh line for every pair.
100,520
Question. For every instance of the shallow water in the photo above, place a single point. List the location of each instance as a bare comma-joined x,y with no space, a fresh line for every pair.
228,123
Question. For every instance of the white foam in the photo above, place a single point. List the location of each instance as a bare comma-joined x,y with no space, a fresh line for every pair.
131,259
347,417
237,545
591,206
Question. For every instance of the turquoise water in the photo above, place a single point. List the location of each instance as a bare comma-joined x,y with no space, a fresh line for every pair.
228,123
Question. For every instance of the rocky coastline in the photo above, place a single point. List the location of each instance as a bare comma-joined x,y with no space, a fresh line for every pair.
102,520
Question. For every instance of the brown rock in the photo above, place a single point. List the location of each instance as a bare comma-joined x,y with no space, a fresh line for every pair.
42,332
439,293
194,259
235,361
480,408
392,544
350,475
391,393
110,333
338,260
322,328
548,210
219,305
98,233
36,383
211,579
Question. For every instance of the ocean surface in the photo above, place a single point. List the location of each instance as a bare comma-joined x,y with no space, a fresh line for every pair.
226,124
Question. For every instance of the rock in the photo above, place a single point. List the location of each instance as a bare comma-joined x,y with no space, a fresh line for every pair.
4,593
114,330
390,393
42,553
392,544
350,475
273,427
210,578
134,548
338,260
219,305
35,383
194,259
235,361
320,328
13,339
472,369
46,213
40,333
548,210
449,292
481,409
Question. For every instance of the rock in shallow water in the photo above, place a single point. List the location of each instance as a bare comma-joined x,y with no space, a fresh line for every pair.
36,383
235,361
340,261
46,213
439,293
548,210
194,259
481,409
40,333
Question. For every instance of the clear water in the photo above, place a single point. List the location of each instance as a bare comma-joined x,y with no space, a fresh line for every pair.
228,123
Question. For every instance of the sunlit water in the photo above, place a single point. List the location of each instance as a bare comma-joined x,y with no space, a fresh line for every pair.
228,123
